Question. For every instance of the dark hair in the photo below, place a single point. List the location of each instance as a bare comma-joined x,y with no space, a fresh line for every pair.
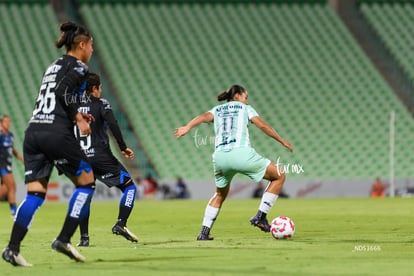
230,92
71,35
91,81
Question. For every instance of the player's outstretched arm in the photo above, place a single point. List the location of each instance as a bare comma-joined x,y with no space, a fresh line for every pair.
266,128
207,117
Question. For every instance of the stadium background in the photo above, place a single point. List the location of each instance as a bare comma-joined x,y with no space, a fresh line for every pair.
325,74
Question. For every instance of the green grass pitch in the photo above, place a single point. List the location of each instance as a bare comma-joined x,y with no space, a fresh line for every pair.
361,236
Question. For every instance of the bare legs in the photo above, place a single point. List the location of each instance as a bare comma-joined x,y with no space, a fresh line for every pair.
268,199
276,179
269,196
9,188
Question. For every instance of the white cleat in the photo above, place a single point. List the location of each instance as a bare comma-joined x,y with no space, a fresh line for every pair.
14,258
68,250
123,231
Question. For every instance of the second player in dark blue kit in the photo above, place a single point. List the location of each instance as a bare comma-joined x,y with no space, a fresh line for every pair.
105,165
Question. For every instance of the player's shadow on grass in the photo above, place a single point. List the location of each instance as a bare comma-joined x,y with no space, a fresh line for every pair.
165,242
141,259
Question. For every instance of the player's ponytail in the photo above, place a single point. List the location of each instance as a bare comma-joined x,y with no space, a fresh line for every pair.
222,96
71,35
228,95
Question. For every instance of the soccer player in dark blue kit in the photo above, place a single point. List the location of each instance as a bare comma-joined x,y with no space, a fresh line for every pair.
49,141
7,151
105,166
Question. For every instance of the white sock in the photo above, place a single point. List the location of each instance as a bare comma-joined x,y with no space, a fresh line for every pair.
210,215
268,200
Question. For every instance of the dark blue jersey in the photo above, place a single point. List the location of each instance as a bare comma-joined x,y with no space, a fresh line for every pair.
96,146
59,95
101,110
6,151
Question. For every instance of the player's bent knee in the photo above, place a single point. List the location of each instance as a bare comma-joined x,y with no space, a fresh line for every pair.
89,185
274,173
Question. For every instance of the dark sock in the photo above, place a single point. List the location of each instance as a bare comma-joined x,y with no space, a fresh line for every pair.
205,230
69,227
13,208
84,227
27,209
126,204
123,216
17,235
121,223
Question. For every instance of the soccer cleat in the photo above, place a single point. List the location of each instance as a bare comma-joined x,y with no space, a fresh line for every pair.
68,250
261,223
202,237
14,258
123,231
84,241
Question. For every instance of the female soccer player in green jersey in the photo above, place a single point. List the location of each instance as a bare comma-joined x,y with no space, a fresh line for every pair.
234,154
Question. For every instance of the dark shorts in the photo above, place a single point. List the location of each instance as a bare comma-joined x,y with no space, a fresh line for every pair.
43,150
108,169
5,170
5,166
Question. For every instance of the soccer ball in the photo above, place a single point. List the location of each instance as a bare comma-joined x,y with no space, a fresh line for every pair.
282,228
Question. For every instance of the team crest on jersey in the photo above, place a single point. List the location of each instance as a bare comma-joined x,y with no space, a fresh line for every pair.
90,152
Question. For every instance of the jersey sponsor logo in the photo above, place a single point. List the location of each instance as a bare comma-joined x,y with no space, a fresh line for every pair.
107,175
227,107
43,118
90,152
226,142
28,172
53,69
61,161
84,109
50,78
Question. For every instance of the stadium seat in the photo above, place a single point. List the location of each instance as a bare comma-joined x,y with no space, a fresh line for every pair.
304,71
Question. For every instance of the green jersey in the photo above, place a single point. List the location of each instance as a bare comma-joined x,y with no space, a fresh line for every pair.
231,121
